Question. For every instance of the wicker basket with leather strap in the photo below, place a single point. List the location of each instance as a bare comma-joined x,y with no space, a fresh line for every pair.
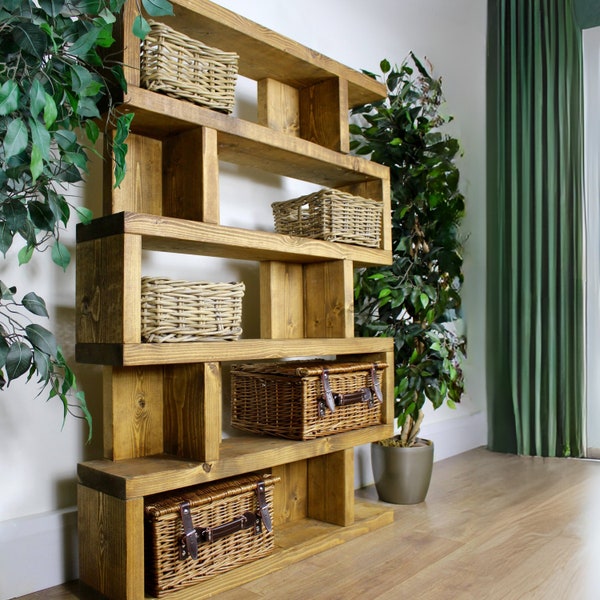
305,400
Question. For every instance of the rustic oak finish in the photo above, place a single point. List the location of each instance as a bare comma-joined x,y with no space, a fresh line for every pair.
163,403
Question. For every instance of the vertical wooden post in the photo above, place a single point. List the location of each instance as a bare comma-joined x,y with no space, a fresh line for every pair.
329,299
279,106
331,487
324,114
141,188
290,494
281,300
192,421
111,544
108,290
133,412
191,175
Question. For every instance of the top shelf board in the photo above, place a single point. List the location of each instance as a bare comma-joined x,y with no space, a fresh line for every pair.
266,54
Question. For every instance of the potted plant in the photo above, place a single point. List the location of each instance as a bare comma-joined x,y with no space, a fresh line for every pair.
416,299
54,84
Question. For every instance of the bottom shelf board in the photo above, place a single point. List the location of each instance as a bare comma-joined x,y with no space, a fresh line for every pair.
294,542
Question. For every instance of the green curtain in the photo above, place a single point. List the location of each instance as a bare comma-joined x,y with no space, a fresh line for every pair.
535,304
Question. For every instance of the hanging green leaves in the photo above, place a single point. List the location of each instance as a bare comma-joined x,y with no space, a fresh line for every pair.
416,300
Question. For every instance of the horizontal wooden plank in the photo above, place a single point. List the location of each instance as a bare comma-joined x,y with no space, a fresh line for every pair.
294,542
249,144
168,234
130,355
132,478
264,53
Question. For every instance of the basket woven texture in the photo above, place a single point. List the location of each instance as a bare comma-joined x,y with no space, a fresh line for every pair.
331,215
186,311
282,399
185,68
210,506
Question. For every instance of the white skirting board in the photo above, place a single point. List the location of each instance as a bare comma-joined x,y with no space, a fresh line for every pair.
37,552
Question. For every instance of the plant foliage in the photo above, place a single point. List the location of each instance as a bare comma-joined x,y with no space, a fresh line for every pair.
416,299
54,83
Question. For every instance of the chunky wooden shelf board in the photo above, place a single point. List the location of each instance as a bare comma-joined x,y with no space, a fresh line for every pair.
131,355
132,478
170,234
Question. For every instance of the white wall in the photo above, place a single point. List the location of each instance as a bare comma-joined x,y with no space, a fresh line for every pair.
591,50
38,459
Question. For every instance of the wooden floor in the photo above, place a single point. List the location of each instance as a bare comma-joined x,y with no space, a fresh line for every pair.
493,526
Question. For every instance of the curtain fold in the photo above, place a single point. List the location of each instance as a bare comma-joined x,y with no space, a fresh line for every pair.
535,265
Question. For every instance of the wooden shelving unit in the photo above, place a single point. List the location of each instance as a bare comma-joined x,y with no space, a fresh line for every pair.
163,402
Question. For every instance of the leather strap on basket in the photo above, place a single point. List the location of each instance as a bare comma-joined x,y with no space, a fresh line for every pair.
333,399
249,520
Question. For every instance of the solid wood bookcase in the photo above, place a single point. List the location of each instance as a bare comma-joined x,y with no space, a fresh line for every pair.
163,402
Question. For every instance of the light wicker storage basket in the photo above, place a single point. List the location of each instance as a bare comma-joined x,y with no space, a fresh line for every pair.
331,215
185,68
192,535
305,400
187,311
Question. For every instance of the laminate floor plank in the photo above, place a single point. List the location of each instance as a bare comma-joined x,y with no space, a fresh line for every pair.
493,527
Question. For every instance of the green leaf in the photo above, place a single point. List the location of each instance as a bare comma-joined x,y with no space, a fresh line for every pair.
37,98
41,338
60,255
30,39
66,140
84,43
92,131
6,237
35,304
37,164
50,111
3,351
40,137
424,299
41,215
42,364
385,66
85,214
9,97
16,138
15,213
18,360
141,27
158,8
25,254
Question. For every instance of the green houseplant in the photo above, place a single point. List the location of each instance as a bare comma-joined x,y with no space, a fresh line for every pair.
55,81
416,299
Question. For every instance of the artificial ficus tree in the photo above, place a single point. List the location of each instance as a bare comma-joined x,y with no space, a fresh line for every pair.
416,299
55,95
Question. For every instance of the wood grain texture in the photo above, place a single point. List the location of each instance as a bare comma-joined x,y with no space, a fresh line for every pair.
191,175
493,526
108,290
265,53
281,300
180,235
133,412
238,455
249,144
111,544
329,299
331,487
278,106
290,494
192,422
324,114
240,350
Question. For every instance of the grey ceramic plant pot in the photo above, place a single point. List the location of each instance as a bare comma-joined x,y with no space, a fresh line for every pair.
402,475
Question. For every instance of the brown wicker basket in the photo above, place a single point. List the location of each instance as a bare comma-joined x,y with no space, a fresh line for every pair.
187,311
223,525
331,215
185,68
307,400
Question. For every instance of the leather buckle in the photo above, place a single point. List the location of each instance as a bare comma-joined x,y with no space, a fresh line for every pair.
189,542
